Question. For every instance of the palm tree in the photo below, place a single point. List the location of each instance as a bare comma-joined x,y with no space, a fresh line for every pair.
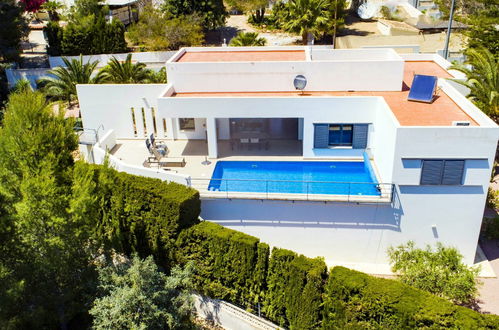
482,79
247,39
125,72
304,17
63,84
52,7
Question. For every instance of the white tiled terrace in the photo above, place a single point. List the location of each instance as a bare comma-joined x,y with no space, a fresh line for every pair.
200,168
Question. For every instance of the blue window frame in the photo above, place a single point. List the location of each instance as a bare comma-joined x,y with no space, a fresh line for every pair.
340,135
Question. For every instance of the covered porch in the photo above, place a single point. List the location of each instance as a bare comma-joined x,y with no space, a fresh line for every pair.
195,152
227,137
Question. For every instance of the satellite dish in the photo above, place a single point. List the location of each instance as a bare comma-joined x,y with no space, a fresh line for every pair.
300,82
367,10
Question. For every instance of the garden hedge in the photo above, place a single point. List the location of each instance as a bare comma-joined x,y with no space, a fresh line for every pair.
295,286
88,37
230,265
356,300
236,267
140,214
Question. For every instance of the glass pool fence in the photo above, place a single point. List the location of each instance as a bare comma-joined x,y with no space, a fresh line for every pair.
293,190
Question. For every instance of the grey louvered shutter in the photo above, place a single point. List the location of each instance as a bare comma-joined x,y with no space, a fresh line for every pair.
453,172
431,173
359,140
321,135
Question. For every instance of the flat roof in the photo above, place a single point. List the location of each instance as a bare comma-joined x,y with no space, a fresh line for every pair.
242,56
442,112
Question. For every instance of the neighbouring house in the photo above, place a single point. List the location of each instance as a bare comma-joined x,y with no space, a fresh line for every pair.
342,167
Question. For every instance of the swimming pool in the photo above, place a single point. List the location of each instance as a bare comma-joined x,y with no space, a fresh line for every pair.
301,177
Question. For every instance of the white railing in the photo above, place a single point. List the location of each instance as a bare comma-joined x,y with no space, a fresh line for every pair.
366,192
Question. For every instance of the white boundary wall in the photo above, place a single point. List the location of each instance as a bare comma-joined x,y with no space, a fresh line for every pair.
229,316
98,152
148,58
334,70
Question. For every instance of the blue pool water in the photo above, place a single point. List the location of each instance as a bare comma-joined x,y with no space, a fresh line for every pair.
335,178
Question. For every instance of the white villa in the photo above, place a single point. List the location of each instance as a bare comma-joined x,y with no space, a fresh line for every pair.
342,168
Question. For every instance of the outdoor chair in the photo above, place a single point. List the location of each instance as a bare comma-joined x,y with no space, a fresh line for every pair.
256,141
163,161
160,146
244,142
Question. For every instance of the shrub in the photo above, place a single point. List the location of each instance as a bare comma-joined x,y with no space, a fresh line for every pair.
492,228
139,214
295,285
230,265
440,272
54,36
356,300
493,199
89,35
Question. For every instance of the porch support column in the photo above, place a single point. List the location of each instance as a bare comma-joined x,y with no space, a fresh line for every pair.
211,132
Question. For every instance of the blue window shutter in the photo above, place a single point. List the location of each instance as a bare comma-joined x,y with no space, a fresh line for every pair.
431,174
321,135
453,172
360,132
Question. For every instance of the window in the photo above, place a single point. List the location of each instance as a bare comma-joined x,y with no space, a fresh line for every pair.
442,172
186,124
340,135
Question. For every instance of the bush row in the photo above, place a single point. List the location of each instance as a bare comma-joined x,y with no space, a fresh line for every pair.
96,37
140,214
296,292
237,267
356,300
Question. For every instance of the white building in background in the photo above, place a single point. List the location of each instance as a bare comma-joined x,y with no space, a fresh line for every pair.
429,163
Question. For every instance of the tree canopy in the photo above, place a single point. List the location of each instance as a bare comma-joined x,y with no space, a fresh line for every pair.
13,27
440,271
157,30
136,295
482,79
212,12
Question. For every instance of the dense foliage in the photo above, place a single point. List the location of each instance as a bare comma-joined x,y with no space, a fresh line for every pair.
247,39
212,12
157,30
230,265
354,300
309,17
45,255
136,285
440,272
57,216
13,27
292,289
62,84
482,79
139,214
33,5
236,267
295,284
125,72
88,32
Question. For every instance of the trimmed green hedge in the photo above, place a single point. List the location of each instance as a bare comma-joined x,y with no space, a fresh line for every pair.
295,286
86,38
356,300
140,214
230,265
236,267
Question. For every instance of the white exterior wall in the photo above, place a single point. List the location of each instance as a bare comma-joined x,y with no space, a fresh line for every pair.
334,70
110,106
279,76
